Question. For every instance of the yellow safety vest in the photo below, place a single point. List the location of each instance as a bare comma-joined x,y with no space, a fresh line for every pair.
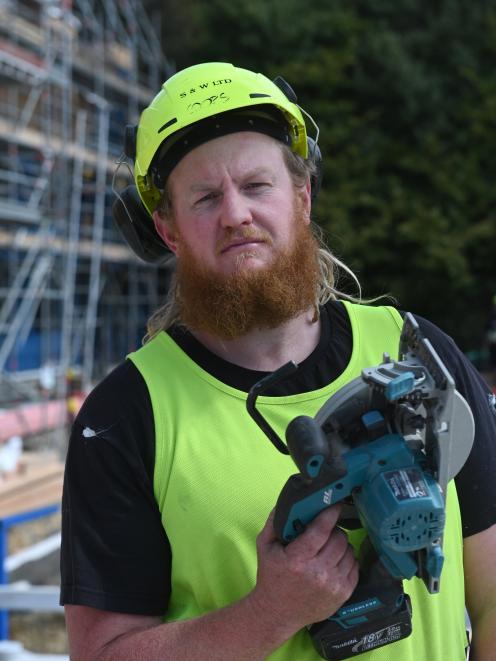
217,477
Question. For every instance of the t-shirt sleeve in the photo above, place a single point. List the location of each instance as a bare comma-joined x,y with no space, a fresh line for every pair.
115,554
475,483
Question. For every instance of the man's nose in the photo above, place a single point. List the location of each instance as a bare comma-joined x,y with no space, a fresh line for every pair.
235,209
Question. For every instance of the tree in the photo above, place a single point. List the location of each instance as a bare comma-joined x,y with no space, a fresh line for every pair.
404,92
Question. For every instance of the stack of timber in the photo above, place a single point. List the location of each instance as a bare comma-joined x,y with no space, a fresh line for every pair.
35,483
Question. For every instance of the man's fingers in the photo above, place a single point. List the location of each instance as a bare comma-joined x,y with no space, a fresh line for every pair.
336,546
316,534
348,562
310,577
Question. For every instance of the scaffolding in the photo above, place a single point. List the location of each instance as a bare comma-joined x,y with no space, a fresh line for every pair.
73,298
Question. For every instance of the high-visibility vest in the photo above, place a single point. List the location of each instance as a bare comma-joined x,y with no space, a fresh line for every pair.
217,477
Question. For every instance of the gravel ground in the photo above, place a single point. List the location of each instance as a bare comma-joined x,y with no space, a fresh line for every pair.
43,633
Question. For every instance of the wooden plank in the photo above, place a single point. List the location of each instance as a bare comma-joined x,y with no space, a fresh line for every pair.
36,483
42,495
23,482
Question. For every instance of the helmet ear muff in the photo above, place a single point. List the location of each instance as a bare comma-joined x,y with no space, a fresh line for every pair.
137,229
315,155
132,218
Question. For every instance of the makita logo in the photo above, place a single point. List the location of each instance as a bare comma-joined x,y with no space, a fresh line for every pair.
203,86
337,646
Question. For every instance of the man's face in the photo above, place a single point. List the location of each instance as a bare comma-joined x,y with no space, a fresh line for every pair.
233,203
246,255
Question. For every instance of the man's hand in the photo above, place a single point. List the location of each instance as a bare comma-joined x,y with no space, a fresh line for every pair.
310,578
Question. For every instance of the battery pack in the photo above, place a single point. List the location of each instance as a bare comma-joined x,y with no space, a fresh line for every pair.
334,643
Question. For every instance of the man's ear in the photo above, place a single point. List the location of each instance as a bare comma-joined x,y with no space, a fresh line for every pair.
306,197
165,231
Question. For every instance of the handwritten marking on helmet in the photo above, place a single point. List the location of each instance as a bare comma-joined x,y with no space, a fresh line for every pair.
209,101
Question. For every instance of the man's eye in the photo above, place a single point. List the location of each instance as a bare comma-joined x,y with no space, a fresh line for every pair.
207,198
256,185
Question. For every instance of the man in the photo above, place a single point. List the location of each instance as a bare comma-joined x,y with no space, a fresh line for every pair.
168,545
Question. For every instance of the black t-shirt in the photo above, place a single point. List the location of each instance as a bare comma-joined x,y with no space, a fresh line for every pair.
115,553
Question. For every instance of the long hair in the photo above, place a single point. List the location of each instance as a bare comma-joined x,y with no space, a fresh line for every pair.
330,267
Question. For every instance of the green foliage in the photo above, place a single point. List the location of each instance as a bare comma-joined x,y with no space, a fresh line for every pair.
404,92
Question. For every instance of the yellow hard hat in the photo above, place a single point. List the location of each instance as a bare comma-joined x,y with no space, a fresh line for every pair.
203,102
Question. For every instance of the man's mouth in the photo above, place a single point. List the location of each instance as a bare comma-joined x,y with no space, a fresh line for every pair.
246,242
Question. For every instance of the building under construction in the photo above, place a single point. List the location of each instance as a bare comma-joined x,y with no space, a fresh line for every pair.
73,298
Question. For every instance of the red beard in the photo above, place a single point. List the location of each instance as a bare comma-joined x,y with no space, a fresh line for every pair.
229,306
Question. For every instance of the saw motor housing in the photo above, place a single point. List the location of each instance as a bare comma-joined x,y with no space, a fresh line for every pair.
397,501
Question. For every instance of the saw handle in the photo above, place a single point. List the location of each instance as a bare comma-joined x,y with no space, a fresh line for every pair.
308,445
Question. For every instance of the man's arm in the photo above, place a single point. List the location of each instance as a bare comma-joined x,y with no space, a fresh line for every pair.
235,632
480,584
296,585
